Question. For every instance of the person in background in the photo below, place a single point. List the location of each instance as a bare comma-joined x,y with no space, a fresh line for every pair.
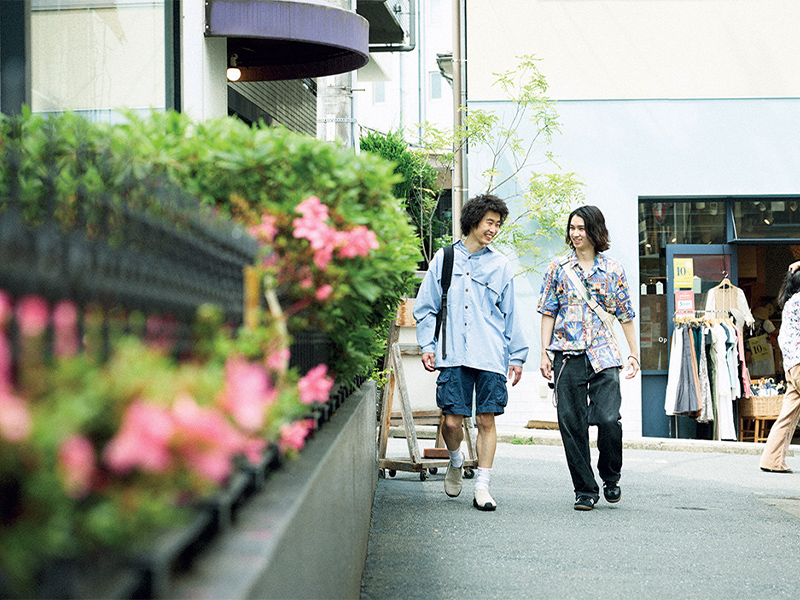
483,338
580,349
773,458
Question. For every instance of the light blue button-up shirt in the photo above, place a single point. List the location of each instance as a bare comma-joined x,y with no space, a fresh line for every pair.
483,331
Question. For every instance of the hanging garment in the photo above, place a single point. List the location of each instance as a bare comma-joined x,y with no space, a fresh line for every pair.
706,408
727,297
686,400
674,370
722,382
732,358
744,374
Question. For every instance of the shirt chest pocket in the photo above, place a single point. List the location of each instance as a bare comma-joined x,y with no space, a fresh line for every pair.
485,293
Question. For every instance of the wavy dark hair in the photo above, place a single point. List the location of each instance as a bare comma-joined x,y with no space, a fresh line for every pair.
595,224
790,286
473,211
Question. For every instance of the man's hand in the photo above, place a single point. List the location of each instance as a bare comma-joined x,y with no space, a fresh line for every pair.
632,369
794,266
429,361
514,374
546,366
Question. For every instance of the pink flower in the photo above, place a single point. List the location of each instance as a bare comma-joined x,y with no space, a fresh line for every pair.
306,283
266,230
318,234
5,363
359,242
206,441
324,291
15,418
77,463
32,315
293,435
323,257
65,326
142,441
315,385
5,308
248,392
312,207
278,360
254,450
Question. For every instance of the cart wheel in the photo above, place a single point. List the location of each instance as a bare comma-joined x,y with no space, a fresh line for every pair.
433,470
392,472
423,476
381,473
468,473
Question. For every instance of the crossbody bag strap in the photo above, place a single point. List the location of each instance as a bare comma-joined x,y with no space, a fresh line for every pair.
447,275
606,317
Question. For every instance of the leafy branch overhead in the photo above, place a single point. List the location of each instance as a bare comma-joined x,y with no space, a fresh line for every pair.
521,168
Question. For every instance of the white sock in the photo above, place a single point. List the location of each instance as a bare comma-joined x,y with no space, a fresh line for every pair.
456,458
482,482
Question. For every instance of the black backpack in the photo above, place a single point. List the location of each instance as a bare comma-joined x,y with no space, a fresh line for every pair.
441,317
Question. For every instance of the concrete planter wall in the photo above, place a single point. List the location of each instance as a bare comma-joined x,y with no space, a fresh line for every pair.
305,535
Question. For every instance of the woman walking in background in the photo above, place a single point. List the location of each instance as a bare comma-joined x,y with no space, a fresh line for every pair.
773,459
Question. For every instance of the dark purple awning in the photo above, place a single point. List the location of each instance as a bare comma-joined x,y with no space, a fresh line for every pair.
289,39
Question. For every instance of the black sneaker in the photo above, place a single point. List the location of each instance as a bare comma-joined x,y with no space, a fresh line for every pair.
612,492
584,503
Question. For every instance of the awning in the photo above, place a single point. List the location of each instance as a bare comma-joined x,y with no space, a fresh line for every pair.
289,39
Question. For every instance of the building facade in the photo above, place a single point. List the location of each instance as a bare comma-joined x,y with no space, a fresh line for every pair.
682,120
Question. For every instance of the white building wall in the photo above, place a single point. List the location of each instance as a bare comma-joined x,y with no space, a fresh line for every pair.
204,62
403,79
656,98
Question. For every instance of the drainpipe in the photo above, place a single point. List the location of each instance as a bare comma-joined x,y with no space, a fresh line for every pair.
459,191
412,35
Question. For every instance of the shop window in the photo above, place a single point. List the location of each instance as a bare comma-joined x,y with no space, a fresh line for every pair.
762,219
661,224
95,57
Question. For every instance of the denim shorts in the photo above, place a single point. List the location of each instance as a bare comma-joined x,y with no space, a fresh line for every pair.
455,386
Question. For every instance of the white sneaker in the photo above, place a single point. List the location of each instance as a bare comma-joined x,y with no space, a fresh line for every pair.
483,500
452,481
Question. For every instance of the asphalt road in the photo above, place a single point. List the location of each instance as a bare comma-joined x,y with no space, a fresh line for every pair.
689,525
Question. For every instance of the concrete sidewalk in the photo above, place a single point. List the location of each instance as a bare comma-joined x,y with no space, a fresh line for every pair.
549,437
697,520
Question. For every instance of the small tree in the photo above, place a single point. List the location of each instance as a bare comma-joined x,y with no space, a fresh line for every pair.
419,188
542,195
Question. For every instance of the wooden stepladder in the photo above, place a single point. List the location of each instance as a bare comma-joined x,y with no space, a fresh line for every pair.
431,459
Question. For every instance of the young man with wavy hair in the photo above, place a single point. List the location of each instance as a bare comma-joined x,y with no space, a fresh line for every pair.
579,349
482,335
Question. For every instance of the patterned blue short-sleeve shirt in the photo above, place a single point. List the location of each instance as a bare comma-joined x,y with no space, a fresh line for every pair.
577,328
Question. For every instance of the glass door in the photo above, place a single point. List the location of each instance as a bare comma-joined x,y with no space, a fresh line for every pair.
710,264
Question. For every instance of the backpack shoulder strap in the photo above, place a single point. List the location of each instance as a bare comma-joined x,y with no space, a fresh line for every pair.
447,276
447,268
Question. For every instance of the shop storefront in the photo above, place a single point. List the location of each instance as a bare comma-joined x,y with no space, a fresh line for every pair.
705,262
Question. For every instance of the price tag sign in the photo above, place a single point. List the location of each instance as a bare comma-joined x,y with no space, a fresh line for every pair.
759,347
684,272
684,303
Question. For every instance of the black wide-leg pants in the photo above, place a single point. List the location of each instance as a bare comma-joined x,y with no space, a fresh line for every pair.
587,398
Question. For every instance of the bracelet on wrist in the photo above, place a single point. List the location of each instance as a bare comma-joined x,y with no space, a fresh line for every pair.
634,358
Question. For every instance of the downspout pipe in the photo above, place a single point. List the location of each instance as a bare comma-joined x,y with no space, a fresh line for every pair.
412,34
459,191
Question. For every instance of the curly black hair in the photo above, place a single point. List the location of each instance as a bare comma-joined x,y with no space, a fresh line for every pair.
595,225
475,209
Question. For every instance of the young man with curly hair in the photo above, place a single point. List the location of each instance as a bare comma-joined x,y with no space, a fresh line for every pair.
580,350
481,343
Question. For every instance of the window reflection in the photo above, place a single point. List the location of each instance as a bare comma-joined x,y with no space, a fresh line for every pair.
94,57
767,219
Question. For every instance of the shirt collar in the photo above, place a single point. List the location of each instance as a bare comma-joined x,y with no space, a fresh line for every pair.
600,261
462,246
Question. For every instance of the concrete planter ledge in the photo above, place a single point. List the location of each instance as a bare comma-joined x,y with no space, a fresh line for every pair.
305,535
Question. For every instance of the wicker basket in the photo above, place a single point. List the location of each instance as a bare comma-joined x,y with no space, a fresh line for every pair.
760,407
